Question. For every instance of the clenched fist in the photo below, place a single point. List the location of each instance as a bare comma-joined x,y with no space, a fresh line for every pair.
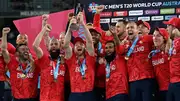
45,17
48,27
6,30
80,18
99,8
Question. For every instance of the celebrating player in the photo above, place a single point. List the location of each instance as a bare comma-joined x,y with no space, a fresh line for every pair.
81,63
24,75
52,68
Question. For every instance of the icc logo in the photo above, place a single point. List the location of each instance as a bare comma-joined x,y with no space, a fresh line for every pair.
92,7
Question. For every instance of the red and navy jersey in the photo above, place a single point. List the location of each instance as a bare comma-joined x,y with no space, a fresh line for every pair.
139,65
78,84
161,68
51,89
22,87
175,62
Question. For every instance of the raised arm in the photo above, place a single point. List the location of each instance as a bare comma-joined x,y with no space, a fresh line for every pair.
37,41
45,18
114,33
89,42
96,20
5,52
67,40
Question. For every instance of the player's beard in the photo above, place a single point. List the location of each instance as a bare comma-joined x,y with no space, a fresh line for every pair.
111,57
54,55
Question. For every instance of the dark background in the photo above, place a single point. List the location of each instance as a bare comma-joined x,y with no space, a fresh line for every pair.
11,10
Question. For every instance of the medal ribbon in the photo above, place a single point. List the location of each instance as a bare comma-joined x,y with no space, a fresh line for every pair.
130,50
152,53
108,70
82,67
56,68
28,67
99,47
171,49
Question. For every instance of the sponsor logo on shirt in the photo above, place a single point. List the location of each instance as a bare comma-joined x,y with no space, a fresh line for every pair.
157,62
61,72
105,20
120,13
92,7
106,14
151,12
114,20
21,75
147,18
167,11
169,17
135,12
138,49
177,10
157,18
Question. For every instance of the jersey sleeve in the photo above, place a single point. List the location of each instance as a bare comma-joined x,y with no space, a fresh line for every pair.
96,20
42,62
11,49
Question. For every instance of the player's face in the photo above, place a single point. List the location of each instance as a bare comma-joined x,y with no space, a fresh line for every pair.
120,28
54,45
109,48
61,38
22,38
131,30
79,48
95,37
170,29
23,52
158,39
143,29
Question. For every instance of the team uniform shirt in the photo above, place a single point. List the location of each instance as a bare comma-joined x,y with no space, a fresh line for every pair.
96,23
11,49
77,82
2,69
100,70
117,83
175,62
50,89
161,67
138,64
22,87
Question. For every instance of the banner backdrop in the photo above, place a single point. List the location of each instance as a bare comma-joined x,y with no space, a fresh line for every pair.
153,11
32,26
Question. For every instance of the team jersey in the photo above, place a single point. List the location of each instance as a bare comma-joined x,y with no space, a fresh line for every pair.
51,89
161,68
175,62
22,86
80,84
139,65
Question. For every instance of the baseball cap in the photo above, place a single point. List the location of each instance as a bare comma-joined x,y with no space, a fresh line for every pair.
78,39
96,29
173,21
163,32
144,23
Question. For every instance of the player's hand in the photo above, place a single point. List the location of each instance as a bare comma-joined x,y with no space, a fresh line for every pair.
99,8
101,60
45,17
6,30
125,41
80,18
48,27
